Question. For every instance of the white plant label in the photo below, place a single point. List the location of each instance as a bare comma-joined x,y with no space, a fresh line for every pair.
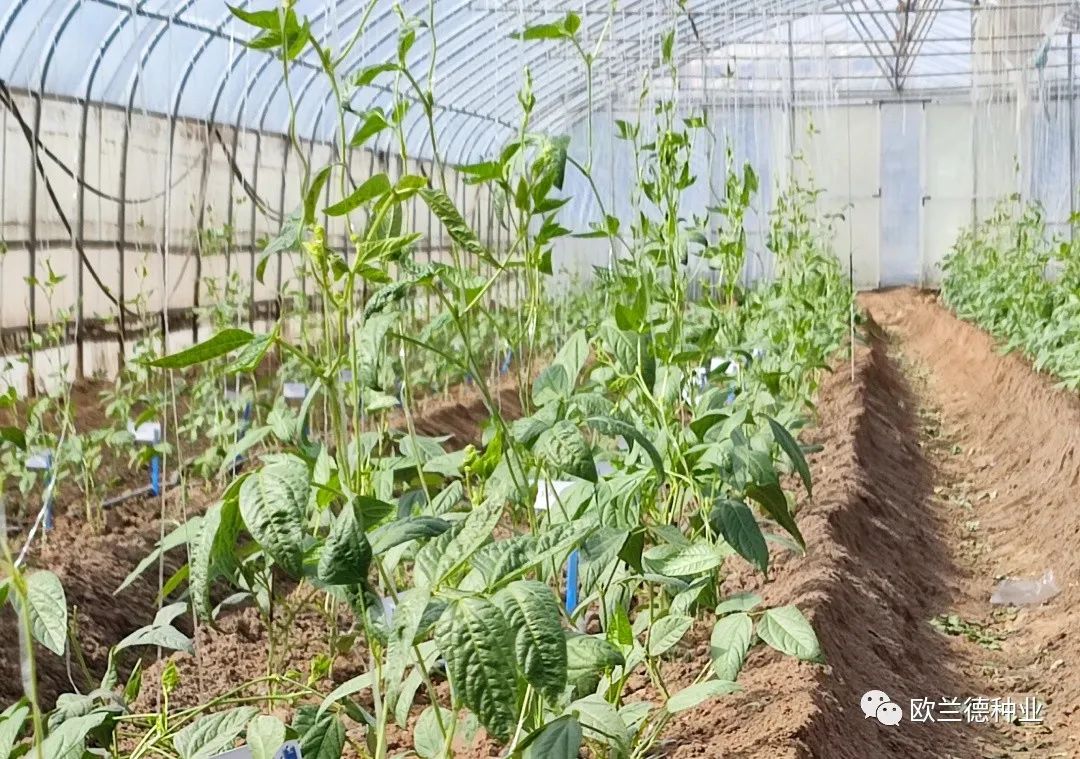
290,750
548,493
147,433
294,391
39,460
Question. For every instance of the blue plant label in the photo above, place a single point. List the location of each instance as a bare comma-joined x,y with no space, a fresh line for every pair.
290,750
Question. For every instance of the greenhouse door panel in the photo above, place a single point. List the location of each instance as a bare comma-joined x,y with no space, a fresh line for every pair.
901,193
949,184
841,157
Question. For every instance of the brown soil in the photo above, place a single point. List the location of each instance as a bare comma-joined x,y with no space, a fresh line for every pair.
464,417
88,414
91,566
924,498
457,413
1006,443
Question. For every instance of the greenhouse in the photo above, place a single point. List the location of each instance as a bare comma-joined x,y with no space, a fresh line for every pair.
482,378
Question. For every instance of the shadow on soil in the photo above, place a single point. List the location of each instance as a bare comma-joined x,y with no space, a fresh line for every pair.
893,574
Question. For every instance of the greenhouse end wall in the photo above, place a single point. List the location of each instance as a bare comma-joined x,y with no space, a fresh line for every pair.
899,179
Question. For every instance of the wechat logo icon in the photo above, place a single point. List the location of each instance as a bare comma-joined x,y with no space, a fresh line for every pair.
877,704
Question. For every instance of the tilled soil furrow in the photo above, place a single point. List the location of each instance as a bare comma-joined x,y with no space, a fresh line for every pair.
1004,442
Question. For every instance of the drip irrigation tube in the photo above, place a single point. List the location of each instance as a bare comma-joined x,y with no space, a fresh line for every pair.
148,490
155,488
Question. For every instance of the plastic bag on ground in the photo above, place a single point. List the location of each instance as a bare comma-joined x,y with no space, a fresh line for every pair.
1014,592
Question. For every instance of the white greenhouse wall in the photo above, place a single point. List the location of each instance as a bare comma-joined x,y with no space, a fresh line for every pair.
146,248
900,179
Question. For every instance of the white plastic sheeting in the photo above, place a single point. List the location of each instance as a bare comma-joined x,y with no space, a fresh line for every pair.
902,194
899,179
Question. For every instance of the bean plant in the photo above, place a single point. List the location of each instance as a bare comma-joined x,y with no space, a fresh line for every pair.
47,421
656,447
1011,276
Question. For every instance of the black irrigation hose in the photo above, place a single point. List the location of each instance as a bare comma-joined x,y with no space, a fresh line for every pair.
28,132
249,190
39,148
142,492
94,190
147,490
131,495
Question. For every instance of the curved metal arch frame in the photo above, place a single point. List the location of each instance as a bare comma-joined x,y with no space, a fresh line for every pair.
739,32
473,64
710,25
468,116
578,100
443,113
480,106
456,84
422,59
464,72
80,227
253,78
448,108
469,71
313,77
737,15
561,71
176,18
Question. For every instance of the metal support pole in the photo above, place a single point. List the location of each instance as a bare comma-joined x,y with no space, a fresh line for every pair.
287,145
1072,145
251,235
121,239
166,233
974,143
465,213
791,101
4,168
429,304
489,236
230,210
31,383
80,229
974,169
207,159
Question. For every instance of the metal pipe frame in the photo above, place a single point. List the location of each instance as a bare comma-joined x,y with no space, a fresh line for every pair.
470,117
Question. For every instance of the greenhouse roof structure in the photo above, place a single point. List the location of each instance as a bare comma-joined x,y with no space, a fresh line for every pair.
186,58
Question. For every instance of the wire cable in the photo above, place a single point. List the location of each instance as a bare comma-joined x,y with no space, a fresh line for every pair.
7,100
